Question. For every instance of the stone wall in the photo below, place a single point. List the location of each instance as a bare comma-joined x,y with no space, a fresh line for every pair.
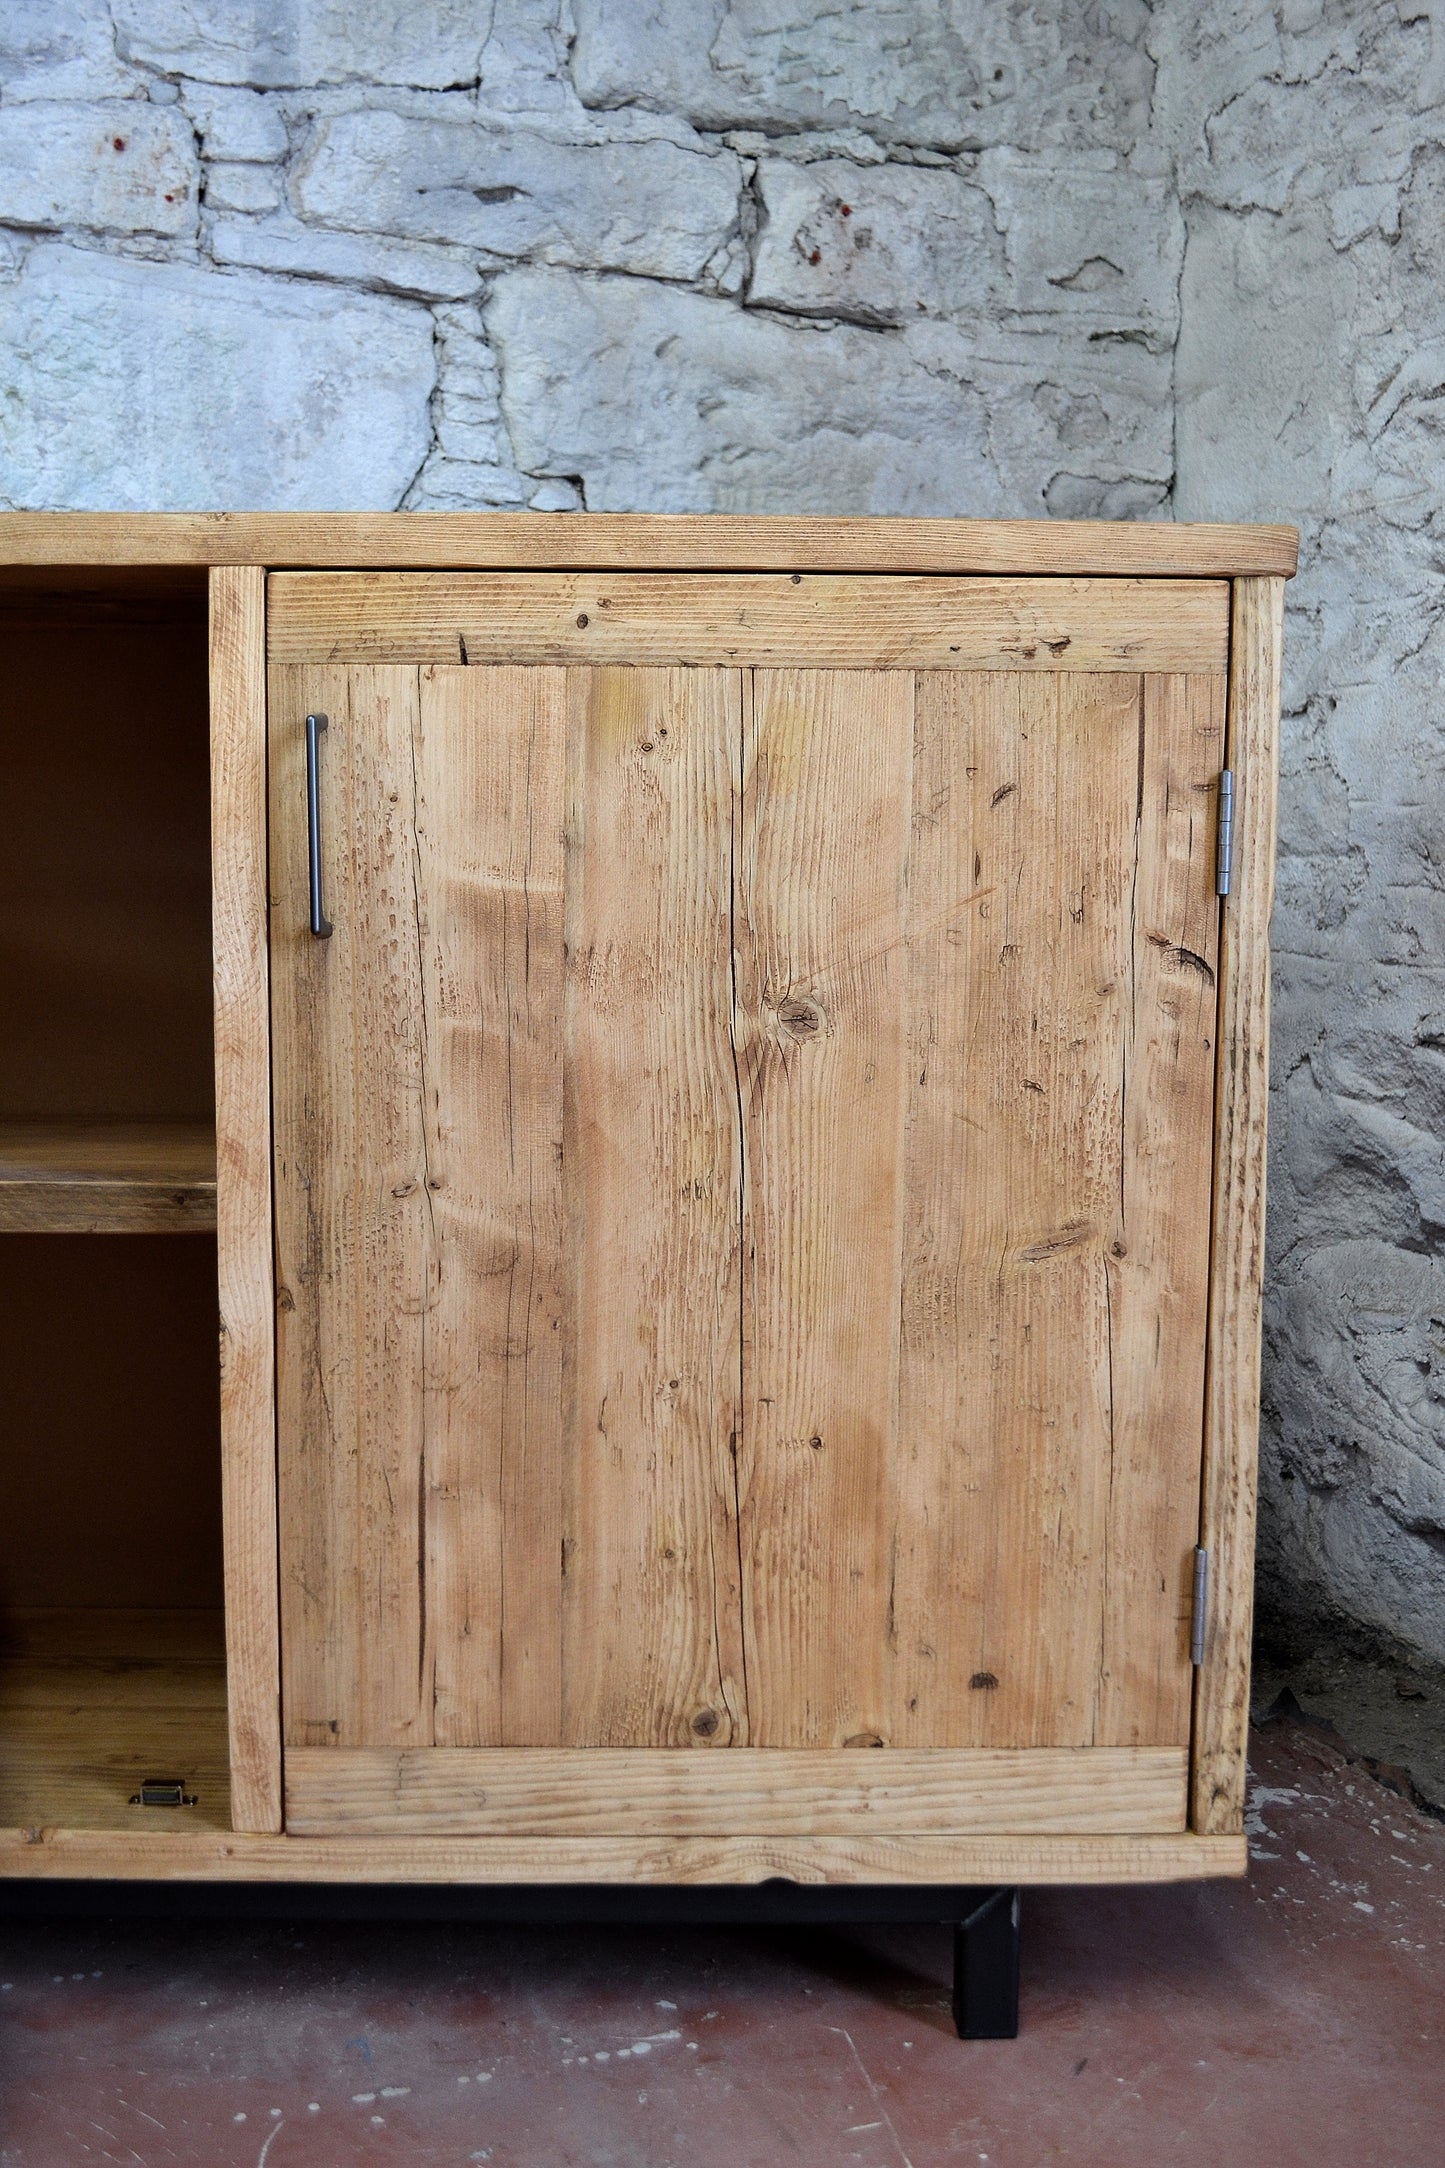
1073,257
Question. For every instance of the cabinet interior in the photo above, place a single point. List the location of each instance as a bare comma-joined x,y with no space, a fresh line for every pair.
112,1667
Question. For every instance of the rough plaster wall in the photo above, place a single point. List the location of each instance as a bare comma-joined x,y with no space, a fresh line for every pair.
1080,257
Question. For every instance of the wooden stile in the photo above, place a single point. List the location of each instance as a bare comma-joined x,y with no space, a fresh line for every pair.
243,1206
1231,1425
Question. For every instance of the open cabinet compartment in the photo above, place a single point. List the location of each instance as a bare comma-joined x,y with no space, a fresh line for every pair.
112,1669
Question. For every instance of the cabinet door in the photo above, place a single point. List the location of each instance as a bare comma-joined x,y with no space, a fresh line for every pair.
742,1177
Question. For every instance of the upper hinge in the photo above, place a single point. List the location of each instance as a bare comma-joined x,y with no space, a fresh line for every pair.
1199,1616
1224,845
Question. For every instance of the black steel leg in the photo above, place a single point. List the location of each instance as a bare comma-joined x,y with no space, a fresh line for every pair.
986,1966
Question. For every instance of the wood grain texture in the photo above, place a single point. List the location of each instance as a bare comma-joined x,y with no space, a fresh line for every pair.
675,542
1157,1260
508,1210
357,1268
1034,1095
93,1703
243,1190
107,1178
1231,1430
758,619
653,1649
1050,1389
490,761
1028,795
752,1791
823,866
59,1854
785,1310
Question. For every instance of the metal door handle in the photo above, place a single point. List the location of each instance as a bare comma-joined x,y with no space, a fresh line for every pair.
320,923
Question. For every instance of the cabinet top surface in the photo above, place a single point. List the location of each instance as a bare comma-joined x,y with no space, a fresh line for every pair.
643,540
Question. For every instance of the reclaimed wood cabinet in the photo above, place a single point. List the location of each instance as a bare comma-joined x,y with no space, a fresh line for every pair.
739,1115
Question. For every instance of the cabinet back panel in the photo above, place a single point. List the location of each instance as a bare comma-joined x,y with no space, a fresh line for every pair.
109,1422
742,1195
105,988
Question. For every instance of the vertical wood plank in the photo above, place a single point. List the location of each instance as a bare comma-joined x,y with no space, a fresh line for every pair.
243,1190
356,1265
1231,1433
393,1259
310,997
652,1653
490,762
1158,1267
822,895
1024,798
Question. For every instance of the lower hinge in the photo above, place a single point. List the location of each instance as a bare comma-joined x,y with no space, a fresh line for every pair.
1199,1617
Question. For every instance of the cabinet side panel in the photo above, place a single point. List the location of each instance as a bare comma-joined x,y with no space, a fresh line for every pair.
1231,1435
243,1190
652,1647
821,899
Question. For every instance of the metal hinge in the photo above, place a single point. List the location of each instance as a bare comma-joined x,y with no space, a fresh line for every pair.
1199,1617
1224,846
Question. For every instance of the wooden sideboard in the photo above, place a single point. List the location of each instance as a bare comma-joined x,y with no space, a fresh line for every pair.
738,1186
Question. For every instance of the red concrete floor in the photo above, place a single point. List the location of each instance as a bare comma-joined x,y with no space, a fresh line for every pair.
1295,2019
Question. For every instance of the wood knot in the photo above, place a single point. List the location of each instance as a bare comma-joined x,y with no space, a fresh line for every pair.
984,1682
705,1723
799,1018
864,1738
582,621
1056,1245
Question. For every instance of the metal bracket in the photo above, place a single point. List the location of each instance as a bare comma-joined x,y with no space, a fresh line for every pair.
1199,1618
1224,846
163,1792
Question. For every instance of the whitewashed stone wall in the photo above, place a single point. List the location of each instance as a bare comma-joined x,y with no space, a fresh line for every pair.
1071,257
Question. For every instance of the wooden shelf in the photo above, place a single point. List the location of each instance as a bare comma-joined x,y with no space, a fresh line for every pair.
94,1703
107,1177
